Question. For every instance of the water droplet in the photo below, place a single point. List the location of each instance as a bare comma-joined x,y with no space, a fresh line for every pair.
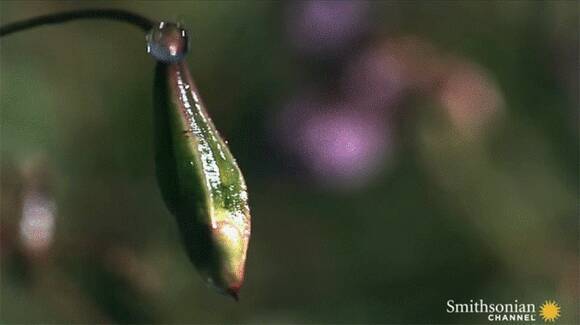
168,42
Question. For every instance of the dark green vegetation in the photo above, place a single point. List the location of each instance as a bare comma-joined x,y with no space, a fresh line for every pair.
445,216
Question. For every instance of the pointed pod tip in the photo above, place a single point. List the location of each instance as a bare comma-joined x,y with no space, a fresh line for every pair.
234,293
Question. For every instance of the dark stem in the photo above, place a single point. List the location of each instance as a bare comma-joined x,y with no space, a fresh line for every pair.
143,23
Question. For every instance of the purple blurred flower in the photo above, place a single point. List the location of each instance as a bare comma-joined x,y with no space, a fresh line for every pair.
340,143
389,69
374,77
325,26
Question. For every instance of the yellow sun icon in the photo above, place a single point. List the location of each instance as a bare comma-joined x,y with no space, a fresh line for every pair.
550,311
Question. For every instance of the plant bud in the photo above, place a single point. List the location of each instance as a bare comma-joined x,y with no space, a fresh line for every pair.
200,180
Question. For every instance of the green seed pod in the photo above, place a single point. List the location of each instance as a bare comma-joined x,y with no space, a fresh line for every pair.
199,178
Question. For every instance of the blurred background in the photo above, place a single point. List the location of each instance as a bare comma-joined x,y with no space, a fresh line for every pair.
397,155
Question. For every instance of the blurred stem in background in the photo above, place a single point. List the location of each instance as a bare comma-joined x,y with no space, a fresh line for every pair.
521,208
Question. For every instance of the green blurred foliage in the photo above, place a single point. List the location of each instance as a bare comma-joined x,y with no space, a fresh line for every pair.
493,217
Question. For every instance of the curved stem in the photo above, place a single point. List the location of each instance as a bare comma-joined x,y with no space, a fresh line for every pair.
143,23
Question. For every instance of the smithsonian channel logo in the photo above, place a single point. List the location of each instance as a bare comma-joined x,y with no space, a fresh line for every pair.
549,311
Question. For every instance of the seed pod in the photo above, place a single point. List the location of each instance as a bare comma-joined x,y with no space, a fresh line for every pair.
199,178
